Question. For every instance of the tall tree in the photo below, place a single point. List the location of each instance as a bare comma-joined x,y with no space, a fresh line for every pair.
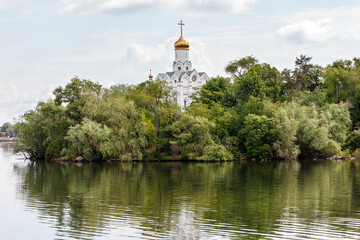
42,131
74,94
271,78
259,132
248,85
156,99
212,91
240,67
305,76
335,83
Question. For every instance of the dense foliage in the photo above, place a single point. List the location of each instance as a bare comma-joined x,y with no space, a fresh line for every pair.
7,130
259,112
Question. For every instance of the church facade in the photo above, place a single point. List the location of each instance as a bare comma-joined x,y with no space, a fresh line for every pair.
183,77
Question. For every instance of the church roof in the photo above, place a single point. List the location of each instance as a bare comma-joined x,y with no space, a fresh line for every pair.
179,75
162,75
170,74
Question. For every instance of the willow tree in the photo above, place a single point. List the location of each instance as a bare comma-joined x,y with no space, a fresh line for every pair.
41,132
130,131
193,134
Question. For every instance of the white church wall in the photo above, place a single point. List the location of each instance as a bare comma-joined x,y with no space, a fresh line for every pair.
181,55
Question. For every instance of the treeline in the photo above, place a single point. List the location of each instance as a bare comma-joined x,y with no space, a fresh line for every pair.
7,130
258,113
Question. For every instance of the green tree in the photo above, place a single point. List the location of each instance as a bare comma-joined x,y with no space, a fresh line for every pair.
313,135
307,98
215,113
335,84
305,76
255,106
271,78
251,78
342,64
31,136
194,136
74,94
353,96
86,140
42,131
259,132
216,152
338,121
212,91
119,90
8,130
286,128
353,141
156,99
130,130
240,67
55,125
249,85
342,84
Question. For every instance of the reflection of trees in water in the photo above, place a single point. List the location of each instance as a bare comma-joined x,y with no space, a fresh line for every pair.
7,147
188,199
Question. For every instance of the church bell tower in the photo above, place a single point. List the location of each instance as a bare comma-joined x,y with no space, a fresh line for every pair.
182,63
183,79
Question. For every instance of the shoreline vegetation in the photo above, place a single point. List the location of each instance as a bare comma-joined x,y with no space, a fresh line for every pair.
258,113
7,139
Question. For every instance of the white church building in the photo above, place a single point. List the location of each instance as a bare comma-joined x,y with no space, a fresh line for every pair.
183,78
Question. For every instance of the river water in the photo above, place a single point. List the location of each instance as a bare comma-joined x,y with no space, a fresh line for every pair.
267,200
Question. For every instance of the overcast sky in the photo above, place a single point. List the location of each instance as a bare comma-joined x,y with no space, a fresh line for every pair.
43,44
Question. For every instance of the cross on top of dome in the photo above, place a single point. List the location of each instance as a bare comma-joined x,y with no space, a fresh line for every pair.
181,25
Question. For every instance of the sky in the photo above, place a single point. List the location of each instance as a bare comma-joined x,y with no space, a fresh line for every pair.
43,44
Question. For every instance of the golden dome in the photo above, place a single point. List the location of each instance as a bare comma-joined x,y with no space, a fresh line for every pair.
150,75
181,43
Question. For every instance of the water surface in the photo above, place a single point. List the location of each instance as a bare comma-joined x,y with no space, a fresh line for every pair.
267,200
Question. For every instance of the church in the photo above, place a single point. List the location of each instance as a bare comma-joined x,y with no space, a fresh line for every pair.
183,78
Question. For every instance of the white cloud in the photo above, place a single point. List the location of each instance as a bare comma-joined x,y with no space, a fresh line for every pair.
15,101
322,25
308,31
200,59
140,54
126,6
140,58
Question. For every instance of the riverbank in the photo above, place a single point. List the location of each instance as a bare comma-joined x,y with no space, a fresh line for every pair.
7,139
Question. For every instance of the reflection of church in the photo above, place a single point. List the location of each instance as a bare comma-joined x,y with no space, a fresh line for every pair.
183,78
